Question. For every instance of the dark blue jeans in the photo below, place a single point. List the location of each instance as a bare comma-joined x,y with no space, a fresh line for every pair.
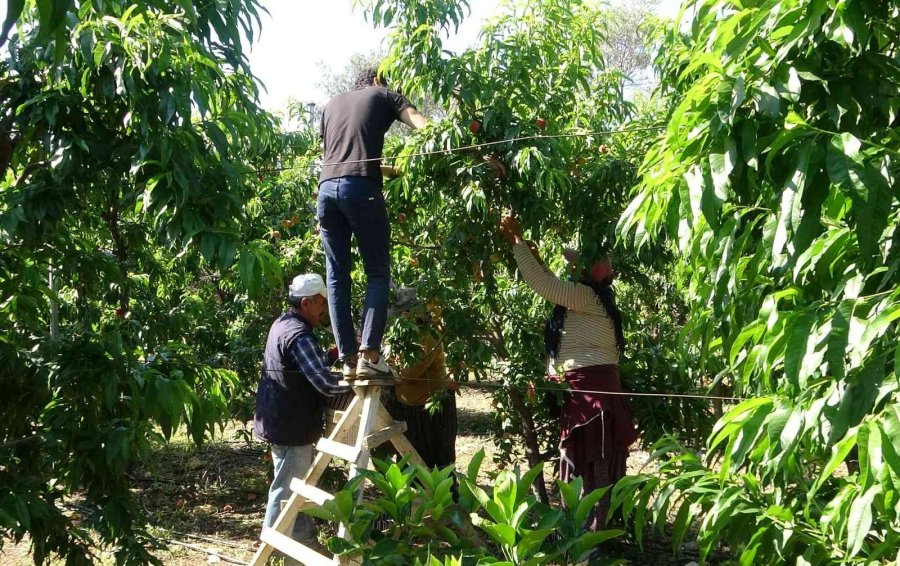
354,206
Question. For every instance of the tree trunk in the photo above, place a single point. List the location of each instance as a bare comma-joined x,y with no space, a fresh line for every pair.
529,431
532,447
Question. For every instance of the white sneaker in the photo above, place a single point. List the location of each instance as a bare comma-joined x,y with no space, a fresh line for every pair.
348,369
378,370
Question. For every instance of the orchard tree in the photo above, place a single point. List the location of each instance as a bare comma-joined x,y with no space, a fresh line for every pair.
129,139
627,46
537,71
776,184
334,82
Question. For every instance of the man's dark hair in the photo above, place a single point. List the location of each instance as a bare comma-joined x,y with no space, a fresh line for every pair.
366,76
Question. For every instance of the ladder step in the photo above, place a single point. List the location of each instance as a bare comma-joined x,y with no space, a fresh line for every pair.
380,437
294,549
338,449
310,492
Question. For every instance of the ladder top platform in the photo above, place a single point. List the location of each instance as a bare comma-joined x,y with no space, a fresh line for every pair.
384,382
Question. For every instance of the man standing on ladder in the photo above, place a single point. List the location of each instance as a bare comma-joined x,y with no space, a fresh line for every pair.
292,392
350,203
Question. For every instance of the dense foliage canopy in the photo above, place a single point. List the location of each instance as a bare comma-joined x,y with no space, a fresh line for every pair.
776,183
150,212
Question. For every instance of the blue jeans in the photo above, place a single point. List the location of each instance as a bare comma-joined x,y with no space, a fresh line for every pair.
354,206
290,462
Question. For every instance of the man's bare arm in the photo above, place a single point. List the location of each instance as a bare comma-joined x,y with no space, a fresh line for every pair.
413,118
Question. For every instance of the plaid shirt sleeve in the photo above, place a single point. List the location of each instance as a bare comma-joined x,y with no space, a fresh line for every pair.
311,360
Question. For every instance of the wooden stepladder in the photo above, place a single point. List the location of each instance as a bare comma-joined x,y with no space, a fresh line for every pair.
374,427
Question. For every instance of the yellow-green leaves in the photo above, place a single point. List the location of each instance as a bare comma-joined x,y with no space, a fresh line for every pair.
782,158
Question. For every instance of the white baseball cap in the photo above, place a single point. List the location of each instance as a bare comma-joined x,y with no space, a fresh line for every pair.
307,285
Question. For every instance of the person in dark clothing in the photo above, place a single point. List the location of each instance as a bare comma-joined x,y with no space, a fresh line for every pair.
293,389
350,204
432,431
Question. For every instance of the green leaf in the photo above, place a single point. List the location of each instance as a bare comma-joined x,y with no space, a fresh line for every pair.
227,252
749,150
738,413
250,272
874,329
208,244
337,545
749,334
776,421
891,453
505,492
748,555
475,465
839,337
872,201
681,523
569,493
868,187
501,534
60,8
586,505
13,11
528,480
384,548
591,540
809,223
839,453
530,541
721,165
860,520
479,493
791,433
798,331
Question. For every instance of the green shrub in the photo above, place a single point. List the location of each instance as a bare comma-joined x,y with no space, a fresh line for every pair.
505,524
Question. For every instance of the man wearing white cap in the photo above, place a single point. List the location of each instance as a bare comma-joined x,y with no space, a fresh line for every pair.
291,398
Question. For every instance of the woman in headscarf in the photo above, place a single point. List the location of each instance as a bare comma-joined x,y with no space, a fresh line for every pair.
431,430
584,339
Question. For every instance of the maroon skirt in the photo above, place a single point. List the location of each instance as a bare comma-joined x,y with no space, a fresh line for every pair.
596,431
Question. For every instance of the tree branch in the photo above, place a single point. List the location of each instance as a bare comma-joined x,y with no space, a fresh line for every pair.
529,431
29,169
20,442
111,217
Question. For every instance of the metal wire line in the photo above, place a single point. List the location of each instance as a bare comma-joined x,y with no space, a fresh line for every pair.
489,384
498,385
497,142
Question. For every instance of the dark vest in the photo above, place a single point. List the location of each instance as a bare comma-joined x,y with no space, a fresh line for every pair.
289,410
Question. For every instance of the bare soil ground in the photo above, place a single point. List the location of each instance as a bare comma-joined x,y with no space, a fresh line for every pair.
208,503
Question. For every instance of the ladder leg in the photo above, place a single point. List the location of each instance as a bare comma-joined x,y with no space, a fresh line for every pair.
367,411
400,442
370,407
321,461
283,523
320,464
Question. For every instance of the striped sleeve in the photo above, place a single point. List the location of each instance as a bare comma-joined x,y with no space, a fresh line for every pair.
550,287
311,361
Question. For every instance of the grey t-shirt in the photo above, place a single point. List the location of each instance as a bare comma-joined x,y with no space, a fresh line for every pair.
353,128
